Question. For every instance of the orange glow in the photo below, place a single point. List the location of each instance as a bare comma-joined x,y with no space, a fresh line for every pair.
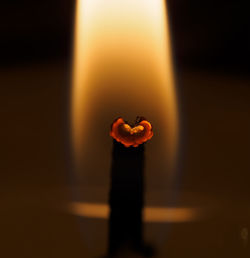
122,66
128,136
151,214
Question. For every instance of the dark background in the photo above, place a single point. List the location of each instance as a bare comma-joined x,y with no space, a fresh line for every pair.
211,34
211,54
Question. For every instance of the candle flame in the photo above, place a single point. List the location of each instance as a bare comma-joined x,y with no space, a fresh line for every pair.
122,66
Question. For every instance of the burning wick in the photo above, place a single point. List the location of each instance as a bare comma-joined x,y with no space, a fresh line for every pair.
139,133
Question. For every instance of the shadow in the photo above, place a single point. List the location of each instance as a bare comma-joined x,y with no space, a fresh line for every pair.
126,200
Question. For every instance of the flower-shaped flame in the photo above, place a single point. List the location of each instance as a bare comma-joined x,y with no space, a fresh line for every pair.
131,136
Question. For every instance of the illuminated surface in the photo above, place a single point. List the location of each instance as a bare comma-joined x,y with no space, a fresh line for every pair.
151,214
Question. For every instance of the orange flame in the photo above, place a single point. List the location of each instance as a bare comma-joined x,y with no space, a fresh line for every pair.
123,133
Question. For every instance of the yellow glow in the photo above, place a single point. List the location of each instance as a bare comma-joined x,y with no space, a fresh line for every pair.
137,129
122,67
151,214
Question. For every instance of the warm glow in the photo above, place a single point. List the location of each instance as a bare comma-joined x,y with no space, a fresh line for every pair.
151,214
128,136
122,67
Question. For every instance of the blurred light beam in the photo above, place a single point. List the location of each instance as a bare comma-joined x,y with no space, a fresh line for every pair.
151,214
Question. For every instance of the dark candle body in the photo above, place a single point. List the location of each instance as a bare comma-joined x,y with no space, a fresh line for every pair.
126,198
